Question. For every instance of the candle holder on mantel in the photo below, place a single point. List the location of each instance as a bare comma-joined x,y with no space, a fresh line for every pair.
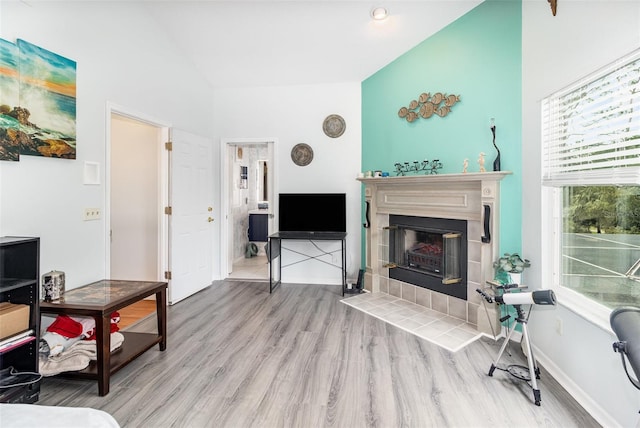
429,167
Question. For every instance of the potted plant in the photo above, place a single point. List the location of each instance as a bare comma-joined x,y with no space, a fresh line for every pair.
509,268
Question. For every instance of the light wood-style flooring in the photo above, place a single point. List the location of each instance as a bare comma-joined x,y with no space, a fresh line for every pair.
136,312
251,269
238,356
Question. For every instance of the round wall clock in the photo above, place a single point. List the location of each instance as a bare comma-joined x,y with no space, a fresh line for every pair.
302,154
333,126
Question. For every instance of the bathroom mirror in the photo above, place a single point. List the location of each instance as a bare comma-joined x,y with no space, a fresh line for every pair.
263,181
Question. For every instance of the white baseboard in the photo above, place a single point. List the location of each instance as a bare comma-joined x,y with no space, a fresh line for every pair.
594,409
312,280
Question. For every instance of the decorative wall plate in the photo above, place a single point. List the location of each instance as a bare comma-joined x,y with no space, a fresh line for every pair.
333,126
302,154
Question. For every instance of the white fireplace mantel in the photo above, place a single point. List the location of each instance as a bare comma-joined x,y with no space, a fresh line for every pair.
457,196
462,177
473,197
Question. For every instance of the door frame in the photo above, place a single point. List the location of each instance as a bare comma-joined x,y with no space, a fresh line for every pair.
226,231
163,188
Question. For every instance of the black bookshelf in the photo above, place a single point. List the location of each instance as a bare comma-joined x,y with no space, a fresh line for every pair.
19,284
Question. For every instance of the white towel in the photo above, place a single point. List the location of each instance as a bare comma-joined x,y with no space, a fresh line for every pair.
76,357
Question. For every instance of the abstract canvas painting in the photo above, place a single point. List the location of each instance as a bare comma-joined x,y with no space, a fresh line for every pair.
9,99
47,108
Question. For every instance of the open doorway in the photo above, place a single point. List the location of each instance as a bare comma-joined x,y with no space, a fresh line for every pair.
249,189
136,192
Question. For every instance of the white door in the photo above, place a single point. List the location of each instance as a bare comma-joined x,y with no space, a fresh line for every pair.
191,225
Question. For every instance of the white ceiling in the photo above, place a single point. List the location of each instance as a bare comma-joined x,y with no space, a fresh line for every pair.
243,43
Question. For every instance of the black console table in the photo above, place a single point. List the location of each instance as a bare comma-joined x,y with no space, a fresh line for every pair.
275,249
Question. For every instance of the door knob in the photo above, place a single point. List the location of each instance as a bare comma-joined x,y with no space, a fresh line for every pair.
210,209
209,219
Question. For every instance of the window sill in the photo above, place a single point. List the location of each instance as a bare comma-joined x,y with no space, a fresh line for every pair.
592,312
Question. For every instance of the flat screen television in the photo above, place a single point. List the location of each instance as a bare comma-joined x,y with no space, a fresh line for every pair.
312,212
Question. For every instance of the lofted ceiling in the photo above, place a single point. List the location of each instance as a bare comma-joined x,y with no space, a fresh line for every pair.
243,43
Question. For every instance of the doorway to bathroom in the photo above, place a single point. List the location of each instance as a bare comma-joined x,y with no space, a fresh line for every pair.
249,189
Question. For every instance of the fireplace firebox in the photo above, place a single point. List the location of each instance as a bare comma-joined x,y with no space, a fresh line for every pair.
429,252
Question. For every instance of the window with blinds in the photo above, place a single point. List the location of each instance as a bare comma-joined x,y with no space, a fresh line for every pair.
591,130
591,163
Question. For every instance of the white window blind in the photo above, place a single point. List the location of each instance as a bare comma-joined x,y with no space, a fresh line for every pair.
591,130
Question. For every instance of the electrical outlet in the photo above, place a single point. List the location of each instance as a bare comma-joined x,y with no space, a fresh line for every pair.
559,326
91,214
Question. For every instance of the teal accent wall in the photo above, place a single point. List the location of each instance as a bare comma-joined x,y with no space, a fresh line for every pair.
479,58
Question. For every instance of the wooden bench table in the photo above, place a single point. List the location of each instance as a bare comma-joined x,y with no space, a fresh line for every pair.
99,300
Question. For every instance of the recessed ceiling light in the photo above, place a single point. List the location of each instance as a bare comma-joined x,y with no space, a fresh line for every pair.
379,13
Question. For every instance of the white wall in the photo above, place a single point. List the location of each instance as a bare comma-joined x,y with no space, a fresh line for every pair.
294,114
122,58
584,36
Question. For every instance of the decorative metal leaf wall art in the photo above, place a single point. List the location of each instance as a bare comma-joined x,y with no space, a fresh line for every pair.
427,105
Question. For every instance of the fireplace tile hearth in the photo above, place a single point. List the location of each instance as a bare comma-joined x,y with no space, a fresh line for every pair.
445,331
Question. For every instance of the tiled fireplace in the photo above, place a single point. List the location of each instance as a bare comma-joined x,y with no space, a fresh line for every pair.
469,202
